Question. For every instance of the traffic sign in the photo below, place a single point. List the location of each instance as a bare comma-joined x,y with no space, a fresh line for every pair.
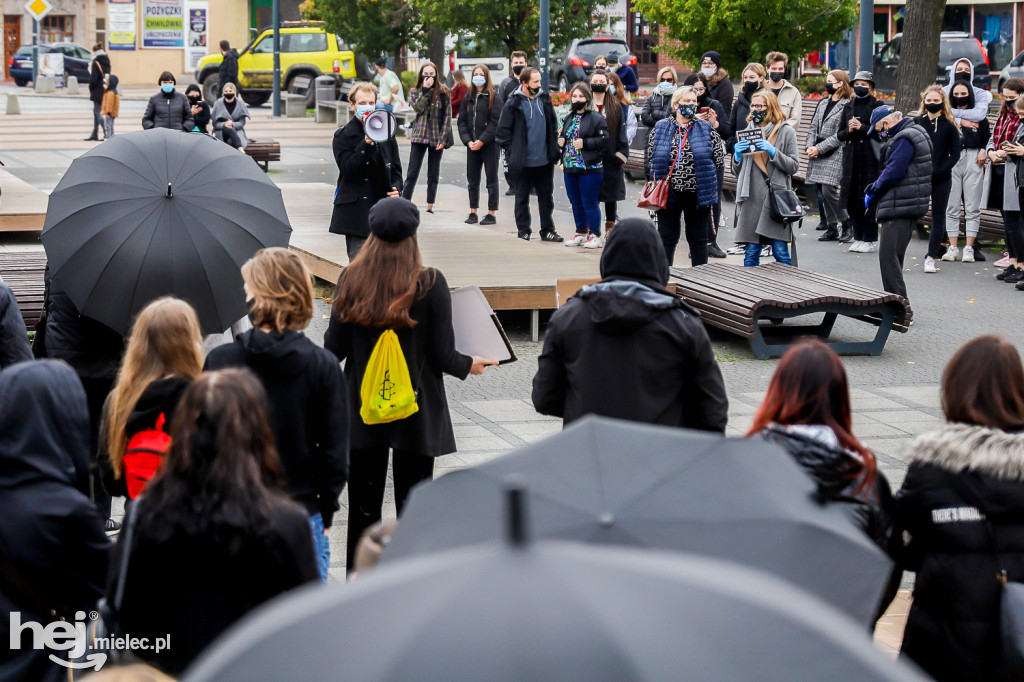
38,9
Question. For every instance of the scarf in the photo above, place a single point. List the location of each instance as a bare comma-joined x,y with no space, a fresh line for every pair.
1006,127
759,158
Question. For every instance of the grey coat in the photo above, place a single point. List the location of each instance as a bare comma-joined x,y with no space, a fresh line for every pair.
1011,202
827,169
753,216
220,115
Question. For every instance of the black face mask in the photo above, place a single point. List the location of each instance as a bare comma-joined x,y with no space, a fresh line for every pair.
861,90
579,106
777,77
517,69
194,99
533,91
749,88
962,77
958,102
935,107
599,87
229,98
830,88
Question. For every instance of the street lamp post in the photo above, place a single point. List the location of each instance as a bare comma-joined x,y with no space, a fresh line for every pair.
276,9
867,32
35,53
544,43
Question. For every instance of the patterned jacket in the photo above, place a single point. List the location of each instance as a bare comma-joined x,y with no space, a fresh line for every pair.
433,117
827,169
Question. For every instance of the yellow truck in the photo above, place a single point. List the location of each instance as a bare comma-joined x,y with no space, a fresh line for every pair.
307,50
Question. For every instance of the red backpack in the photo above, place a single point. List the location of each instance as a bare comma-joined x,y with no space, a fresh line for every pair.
143,456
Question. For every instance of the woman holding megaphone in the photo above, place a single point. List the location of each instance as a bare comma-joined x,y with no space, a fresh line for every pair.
368,171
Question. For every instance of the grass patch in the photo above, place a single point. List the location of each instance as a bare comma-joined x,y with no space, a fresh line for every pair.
323,289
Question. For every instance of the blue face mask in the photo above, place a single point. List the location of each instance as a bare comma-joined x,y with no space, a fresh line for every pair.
168,88
479,81
666,87
363,109
611,89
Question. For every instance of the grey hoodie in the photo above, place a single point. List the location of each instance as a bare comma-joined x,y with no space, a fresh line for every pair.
981,97
536,130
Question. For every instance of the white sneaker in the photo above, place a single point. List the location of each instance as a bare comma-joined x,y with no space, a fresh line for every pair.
929,265
593,242
968,256
868,247
577,240
951,254
737,250
855,247
766,252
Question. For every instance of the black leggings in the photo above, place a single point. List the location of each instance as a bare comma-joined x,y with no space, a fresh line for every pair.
682,207
416,155
610,210
230,137
940,199
1014,229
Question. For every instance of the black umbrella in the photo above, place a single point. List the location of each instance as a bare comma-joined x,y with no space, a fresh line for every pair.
621,483
160,212
550,611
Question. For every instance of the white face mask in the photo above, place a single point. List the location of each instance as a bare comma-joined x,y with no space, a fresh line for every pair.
709,71
479,81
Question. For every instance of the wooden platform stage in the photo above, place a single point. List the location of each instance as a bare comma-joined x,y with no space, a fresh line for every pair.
513,274
22,206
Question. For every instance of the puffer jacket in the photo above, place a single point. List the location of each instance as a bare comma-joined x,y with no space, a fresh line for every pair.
656,107
477,121
173,112
628,349
838,474
911,195
962,479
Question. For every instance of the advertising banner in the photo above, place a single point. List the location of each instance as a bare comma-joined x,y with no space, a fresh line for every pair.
198,33
163,23
122,18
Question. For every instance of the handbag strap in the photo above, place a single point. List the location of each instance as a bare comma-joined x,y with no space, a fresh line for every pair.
679,152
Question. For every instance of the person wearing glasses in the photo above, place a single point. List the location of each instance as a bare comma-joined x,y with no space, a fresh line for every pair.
659,104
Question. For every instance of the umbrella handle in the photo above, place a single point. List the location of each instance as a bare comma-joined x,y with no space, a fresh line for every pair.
515,507
169,193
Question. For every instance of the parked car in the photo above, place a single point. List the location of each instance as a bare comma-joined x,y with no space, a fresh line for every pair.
76,61
576,63
307,50
953,45
1014,69
468,53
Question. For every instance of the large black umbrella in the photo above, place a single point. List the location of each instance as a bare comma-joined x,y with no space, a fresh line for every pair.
155,213
614,482
550,611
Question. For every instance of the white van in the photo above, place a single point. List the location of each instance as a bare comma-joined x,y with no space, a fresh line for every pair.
466,54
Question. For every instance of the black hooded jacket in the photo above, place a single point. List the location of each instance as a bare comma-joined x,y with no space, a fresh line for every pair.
13,335
228,71
90,347
309,411
51,535
626,348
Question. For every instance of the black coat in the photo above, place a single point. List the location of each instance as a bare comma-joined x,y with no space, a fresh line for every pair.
593,131
959,476
160,397
194,586
100,68
737,120
429,350
511,135
50,531
366,173
860,155
173,112
722,92
724,129
309,412
91,348
946,144
616,152
656,107
202,119
476,121
228,71
13,335
626,348
507,87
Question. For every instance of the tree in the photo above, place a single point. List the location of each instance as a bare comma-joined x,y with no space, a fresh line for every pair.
370,27
744,31
510,24
919,51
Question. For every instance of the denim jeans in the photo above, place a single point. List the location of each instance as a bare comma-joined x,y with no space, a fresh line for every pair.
583,190
780,250
321,545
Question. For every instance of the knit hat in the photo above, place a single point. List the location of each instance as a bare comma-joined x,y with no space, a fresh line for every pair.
192,87
865,76
613,57
713,56
879,113
394,219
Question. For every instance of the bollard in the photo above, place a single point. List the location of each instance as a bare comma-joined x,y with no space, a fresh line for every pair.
71,85
13,107
45,84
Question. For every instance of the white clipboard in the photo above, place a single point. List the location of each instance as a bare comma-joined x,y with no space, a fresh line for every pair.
477,329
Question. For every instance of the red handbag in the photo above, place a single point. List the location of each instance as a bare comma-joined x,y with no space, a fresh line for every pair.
655,192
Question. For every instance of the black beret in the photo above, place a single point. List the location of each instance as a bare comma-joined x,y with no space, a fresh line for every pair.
394,219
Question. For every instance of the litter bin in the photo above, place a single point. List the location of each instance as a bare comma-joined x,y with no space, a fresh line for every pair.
325,90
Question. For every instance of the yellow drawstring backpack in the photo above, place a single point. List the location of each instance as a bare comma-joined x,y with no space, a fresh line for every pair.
386,393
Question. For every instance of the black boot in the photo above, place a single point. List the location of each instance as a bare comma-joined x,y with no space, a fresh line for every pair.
831,234
821,226
846,234
714,251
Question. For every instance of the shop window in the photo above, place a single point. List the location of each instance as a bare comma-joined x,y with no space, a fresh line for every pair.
993,26
57,28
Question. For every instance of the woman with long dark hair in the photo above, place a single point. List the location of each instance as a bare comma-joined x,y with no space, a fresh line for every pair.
387,288
1000,190
616,148
807,412
583,141
960,514
432,102
478,123
214,535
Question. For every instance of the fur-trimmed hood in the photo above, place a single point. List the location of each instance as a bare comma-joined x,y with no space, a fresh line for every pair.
982,449
719,76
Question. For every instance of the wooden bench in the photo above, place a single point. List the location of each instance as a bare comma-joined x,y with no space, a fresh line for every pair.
264,152
23,272
738,299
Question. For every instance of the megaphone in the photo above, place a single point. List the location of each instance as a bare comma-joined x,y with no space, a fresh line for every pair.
379,125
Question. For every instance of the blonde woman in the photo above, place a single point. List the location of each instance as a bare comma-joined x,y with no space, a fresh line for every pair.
305,387
825,155
659,104
937,120
770,162
164,355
